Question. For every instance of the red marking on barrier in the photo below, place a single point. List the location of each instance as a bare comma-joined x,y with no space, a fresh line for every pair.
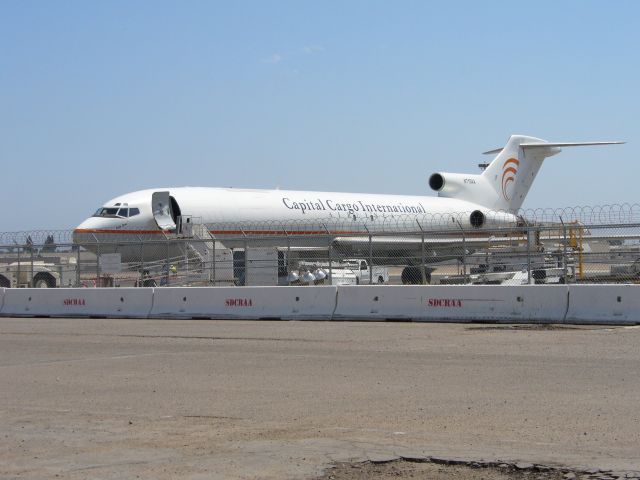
238,302
74,301
444,302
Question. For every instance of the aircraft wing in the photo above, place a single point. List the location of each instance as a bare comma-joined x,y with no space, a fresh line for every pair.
389,249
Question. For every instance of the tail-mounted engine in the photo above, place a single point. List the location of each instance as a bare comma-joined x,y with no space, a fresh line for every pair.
459,185
452,184
477,219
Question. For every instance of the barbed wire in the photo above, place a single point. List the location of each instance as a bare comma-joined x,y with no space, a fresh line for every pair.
38,237
614,214
436,223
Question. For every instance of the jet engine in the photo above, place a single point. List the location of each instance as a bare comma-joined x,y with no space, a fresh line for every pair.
477,219
452,184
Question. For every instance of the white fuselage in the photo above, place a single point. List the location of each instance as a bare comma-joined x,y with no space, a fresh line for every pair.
232,209
309,218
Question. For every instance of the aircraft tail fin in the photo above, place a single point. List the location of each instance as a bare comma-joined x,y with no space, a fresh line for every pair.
513,170
505,182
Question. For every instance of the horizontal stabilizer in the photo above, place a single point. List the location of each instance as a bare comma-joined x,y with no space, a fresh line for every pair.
566,144
494,151
560,144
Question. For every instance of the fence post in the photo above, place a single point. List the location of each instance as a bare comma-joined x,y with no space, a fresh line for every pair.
78,281
528,230
370,260
564,251
31,276
165,270
98,265
580,255
370,256
213,260
19,269
464,253
288,260
330,253
184,246
141,280
246,259
423,272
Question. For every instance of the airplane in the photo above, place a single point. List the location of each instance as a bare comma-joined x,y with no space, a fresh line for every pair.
142,221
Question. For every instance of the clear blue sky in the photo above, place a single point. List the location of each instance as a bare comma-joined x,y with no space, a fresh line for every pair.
102,98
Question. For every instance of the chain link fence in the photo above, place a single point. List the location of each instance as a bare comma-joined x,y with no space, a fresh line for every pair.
544,246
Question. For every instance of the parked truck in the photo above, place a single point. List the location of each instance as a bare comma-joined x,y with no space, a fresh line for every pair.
352,271
364,273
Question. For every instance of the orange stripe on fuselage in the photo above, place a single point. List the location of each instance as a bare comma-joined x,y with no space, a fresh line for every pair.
266,232
220,232
229,232
122,232
280,232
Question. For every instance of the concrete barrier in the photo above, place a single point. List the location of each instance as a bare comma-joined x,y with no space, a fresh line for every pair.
245,303
78,302
604,304
459,303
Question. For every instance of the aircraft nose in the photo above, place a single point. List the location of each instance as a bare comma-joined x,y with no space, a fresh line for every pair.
85,232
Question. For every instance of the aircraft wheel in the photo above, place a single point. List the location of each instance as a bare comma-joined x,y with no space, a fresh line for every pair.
44,280
411,275
4,282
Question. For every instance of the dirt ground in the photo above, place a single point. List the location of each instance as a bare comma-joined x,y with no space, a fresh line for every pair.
186,399
432,471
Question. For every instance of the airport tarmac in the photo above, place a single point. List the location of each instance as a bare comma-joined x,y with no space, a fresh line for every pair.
97,398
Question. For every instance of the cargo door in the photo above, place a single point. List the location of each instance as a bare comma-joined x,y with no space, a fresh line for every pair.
161,205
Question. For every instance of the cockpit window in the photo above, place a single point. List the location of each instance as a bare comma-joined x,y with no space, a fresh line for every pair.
106,212
116,212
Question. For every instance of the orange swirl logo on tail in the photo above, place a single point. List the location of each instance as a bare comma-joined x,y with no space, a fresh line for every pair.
509,170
